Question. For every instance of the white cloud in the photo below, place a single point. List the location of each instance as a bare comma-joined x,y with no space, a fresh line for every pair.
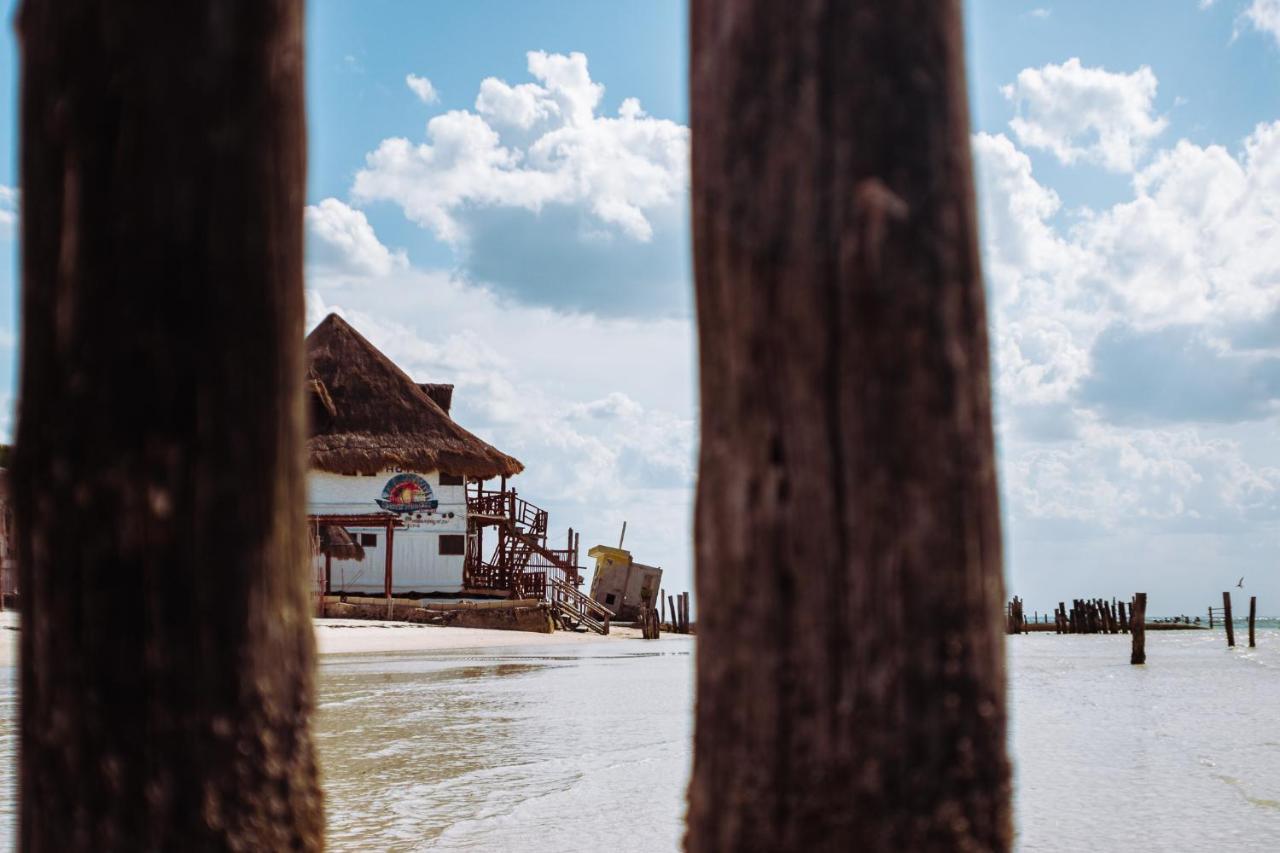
8,208
1137,346
1189,263
344,241
422,87
537,172
1264,16
1113,477
1086,114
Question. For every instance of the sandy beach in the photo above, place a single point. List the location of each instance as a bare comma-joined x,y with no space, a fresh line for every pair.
355,636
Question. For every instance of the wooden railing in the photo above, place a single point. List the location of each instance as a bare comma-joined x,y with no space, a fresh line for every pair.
583,608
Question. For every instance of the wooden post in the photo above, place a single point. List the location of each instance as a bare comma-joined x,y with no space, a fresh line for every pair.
387,568
167,651
662,607
1253,615
1210,617
1138,628
1124,617
671,609
844,377
1227,620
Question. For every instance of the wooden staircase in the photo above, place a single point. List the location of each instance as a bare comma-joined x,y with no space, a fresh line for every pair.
523,565
572,608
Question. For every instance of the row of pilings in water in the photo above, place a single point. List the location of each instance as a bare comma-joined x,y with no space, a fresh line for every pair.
1085,616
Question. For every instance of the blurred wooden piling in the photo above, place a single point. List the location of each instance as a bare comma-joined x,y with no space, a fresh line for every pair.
1226,619
1137,620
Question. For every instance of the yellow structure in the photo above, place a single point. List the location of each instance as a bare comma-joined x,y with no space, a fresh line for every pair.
621,584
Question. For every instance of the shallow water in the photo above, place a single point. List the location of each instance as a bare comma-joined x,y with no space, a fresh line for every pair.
586,747
537,748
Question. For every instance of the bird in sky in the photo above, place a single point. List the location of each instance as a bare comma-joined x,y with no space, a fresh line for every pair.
1240,583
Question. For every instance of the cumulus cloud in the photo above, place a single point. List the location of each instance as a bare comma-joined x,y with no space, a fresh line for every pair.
1185,272
1084,114
544,197
1136,346
1263,16
342,240
422,87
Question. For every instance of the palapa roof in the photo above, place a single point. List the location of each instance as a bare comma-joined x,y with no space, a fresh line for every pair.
367,415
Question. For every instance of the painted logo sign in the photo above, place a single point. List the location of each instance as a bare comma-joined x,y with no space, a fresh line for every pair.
407,493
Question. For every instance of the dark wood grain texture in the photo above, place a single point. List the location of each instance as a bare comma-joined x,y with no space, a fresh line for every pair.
850,654
167,650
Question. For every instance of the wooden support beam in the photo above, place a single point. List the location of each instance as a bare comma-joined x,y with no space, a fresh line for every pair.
1227,620
1138,629
847,473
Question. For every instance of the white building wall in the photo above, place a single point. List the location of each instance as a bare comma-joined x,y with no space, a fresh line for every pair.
418,566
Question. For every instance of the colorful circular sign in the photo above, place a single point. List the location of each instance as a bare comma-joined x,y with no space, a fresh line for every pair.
407,493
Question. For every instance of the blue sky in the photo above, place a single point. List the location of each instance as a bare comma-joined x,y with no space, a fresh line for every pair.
490,216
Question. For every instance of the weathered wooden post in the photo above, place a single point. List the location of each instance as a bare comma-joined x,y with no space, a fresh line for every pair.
1253,615
1227,620
671,610
159,473
847,465
1210,617
1138,628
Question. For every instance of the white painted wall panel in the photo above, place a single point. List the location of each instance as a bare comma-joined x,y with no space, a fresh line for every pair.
418,565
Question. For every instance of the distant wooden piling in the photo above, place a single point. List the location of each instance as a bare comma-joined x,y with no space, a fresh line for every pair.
1138,628
1253,616
671,611
1210,617
1226,620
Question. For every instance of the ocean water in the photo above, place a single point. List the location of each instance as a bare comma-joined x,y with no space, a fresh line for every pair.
531,748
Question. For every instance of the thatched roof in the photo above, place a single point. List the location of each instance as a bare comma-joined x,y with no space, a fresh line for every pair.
337,543
368,415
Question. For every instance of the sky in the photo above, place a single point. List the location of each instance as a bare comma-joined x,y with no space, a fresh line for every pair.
498,198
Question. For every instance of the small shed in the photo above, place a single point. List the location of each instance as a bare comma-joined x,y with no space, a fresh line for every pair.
621,584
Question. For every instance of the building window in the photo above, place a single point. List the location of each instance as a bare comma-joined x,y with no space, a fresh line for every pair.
610,599
451,480
453,545
368,540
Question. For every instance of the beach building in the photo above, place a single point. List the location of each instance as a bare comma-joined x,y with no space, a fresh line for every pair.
621,584
405,502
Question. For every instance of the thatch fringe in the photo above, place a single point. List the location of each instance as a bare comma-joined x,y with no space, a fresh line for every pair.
337,543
